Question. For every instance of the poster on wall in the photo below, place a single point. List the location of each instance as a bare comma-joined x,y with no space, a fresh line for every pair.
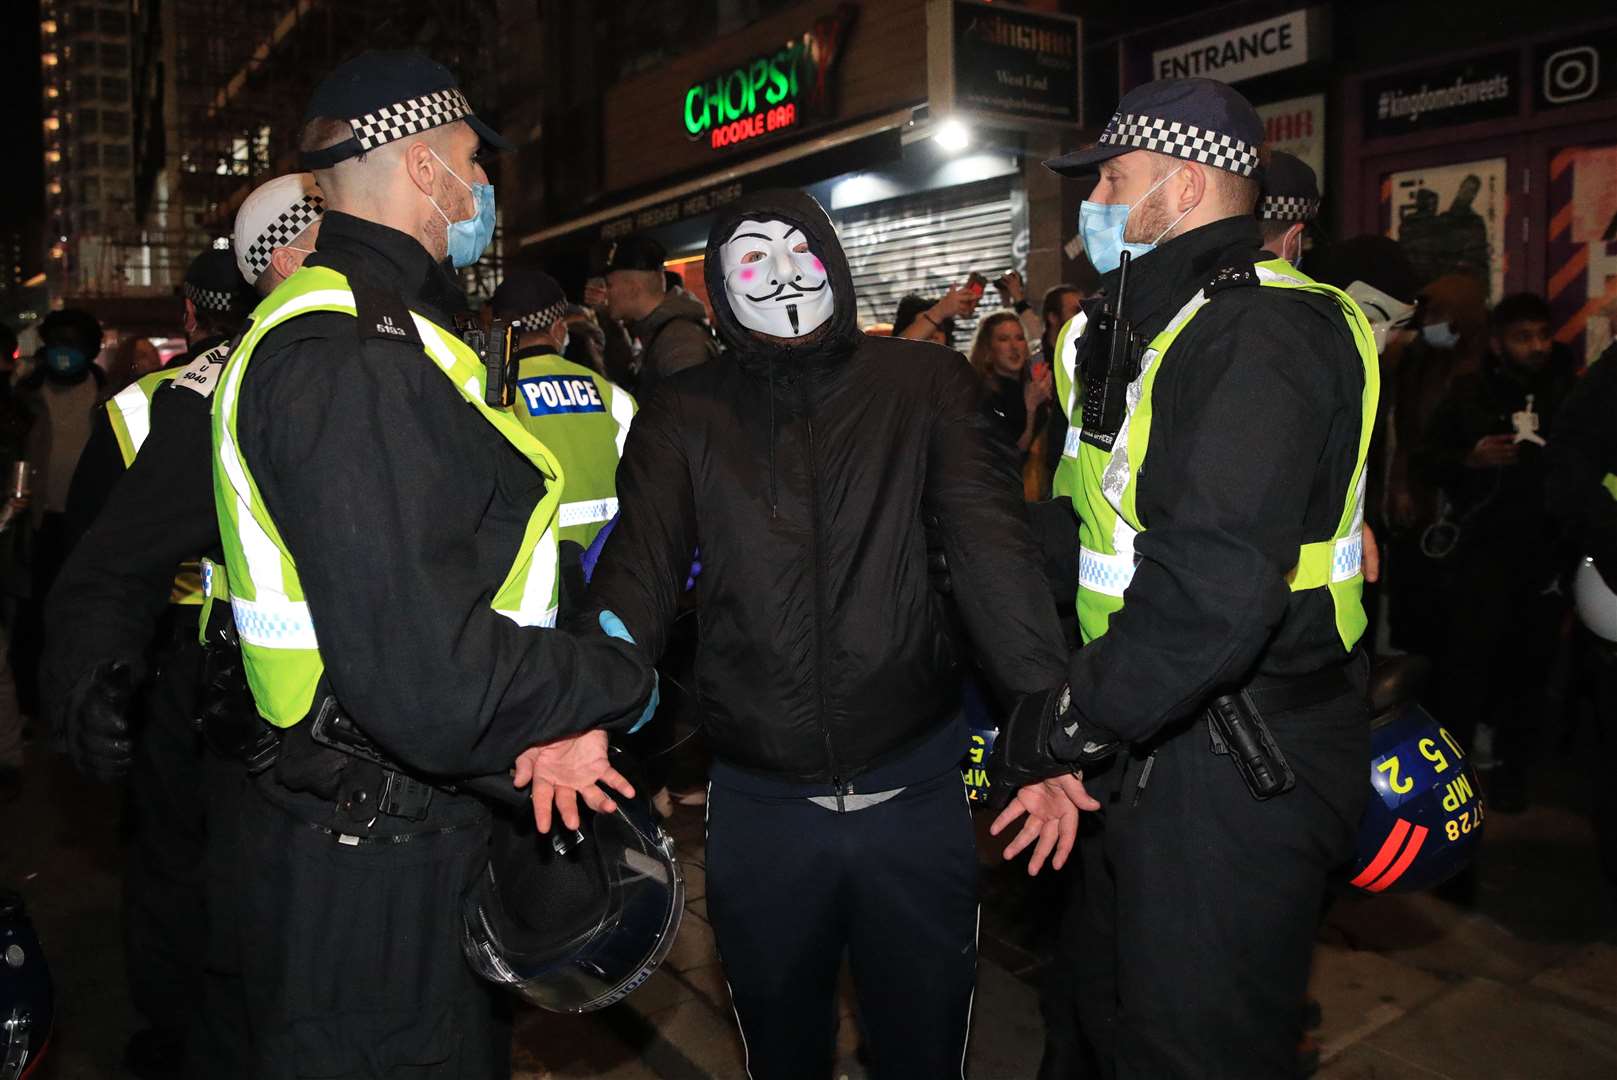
1581,248
1297,126
1450,219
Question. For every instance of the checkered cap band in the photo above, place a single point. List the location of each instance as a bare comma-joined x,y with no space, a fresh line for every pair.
541,319
1287,208
283,230
392,122
1181,140
212,299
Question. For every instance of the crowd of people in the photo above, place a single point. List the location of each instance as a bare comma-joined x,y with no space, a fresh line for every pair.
754,516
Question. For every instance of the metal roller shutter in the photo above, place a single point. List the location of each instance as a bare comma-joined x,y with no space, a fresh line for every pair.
926,244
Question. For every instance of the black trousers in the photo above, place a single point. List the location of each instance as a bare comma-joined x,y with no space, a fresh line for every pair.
165,922
350,951
791,886
1200,904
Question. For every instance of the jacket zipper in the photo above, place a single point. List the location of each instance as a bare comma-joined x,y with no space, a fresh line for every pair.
819,598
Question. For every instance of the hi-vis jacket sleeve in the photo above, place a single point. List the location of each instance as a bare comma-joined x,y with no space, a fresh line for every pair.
403,509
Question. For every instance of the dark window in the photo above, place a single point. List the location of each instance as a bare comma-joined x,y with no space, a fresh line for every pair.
113,22
116,155
89,218
90,188
114,57
115,122
115,89
87,155
87,121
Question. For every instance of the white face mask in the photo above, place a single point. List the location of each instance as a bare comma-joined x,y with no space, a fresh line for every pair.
776,285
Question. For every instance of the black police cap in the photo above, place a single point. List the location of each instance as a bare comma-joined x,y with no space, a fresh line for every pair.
386,96
1290,189
1199,120
213,282
636,252
529,300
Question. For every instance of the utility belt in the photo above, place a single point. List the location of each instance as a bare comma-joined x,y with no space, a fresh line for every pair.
1238,729
327,755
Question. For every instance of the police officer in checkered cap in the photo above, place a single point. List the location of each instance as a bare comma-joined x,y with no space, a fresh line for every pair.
1215,467
390,540
1288,205
581,415
276,228
143,499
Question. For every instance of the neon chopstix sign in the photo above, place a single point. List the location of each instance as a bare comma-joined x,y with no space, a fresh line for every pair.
771,93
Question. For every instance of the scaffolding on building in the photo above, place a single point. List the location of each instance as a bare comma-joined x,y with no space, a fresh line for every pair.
221,89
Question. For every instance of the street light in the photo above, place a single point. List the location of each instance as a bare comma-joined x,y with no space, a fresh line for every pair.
953,136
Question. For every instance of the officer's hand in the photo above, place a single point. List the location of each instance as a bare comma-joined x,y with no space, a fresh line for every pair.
1372,557
561,771
1492,452
95,720
1052,808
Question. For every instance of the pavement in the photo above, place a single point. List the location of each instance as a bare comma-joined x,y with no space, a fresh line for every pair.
1523,985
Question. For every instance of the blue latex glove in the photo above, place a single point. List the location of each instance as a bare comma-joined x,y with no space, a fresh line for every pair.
613,626
593,553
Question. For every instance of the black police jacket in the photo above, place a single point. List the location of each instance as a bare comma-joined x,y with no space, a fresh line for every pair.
1582,453
1254,431
403,510
138,525
802,475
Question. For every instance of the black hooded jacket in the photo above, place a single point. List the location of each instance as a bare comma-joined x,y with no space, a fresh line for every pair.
803,472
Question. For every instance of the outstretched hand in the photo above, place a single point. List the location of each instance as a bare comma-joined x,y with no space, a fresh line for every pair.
563,770
1052,808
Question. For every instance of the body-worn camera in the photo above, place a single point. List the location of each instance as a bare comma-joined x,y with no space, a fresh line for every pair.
494,347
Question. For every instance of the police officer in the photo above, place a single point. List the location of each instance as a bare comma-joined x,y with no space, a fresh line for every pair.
119,590
1288,205
390,542
582,417
1580,489
1215,463
163,908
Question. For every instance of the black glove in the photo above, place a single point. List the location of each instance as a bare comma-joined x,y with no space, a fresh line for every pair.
1041,738
95,720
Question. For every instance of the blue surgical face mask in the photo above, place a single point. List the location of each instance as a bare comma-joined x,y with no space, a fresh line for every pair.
1440,335
1102,226
470,238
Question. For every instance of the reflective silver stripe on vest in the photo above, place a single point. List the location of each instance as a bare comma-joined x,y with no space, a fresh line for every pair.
1109,575
274,624
587,512
135,409
622,412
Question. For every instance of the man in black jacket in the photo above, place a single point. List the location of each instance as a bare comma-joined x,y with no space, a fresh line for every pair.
1485,448
803,465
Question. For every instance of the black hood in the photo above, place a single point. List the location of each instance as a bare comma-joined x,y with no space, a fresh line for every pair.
841,334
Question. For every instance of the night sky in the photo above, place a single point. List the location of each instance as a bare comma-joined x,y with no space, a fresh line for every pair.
23,175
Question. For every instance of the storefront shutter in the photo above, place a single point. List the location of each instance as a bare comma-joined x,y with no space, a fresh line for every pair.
926,244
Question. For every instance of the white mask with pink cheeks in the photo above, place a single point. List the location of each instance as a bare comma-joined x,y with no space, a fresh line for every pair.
776,285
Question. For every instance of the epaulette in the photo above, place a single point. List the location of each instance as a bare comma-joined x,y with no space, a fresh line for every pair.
382,314
202,374
1230,277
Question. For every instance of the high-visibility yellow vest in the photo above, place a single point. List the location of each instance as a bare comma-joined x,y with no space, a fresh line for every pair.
584,419
280,646
1108,522
130,413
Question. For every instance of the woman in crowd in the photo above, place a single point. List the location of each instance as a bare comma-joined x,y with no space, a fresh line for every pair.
1013,394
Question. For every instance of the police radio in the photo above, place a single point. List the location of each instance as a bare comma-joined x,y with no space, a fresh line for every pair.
494,348
1109,366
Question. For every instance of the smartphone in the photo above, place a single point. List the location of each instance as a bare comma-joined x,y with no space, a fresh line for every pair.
976,283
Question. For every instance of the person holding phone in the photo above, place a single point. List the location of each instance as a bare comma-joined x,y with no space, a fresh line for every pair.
1016,394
